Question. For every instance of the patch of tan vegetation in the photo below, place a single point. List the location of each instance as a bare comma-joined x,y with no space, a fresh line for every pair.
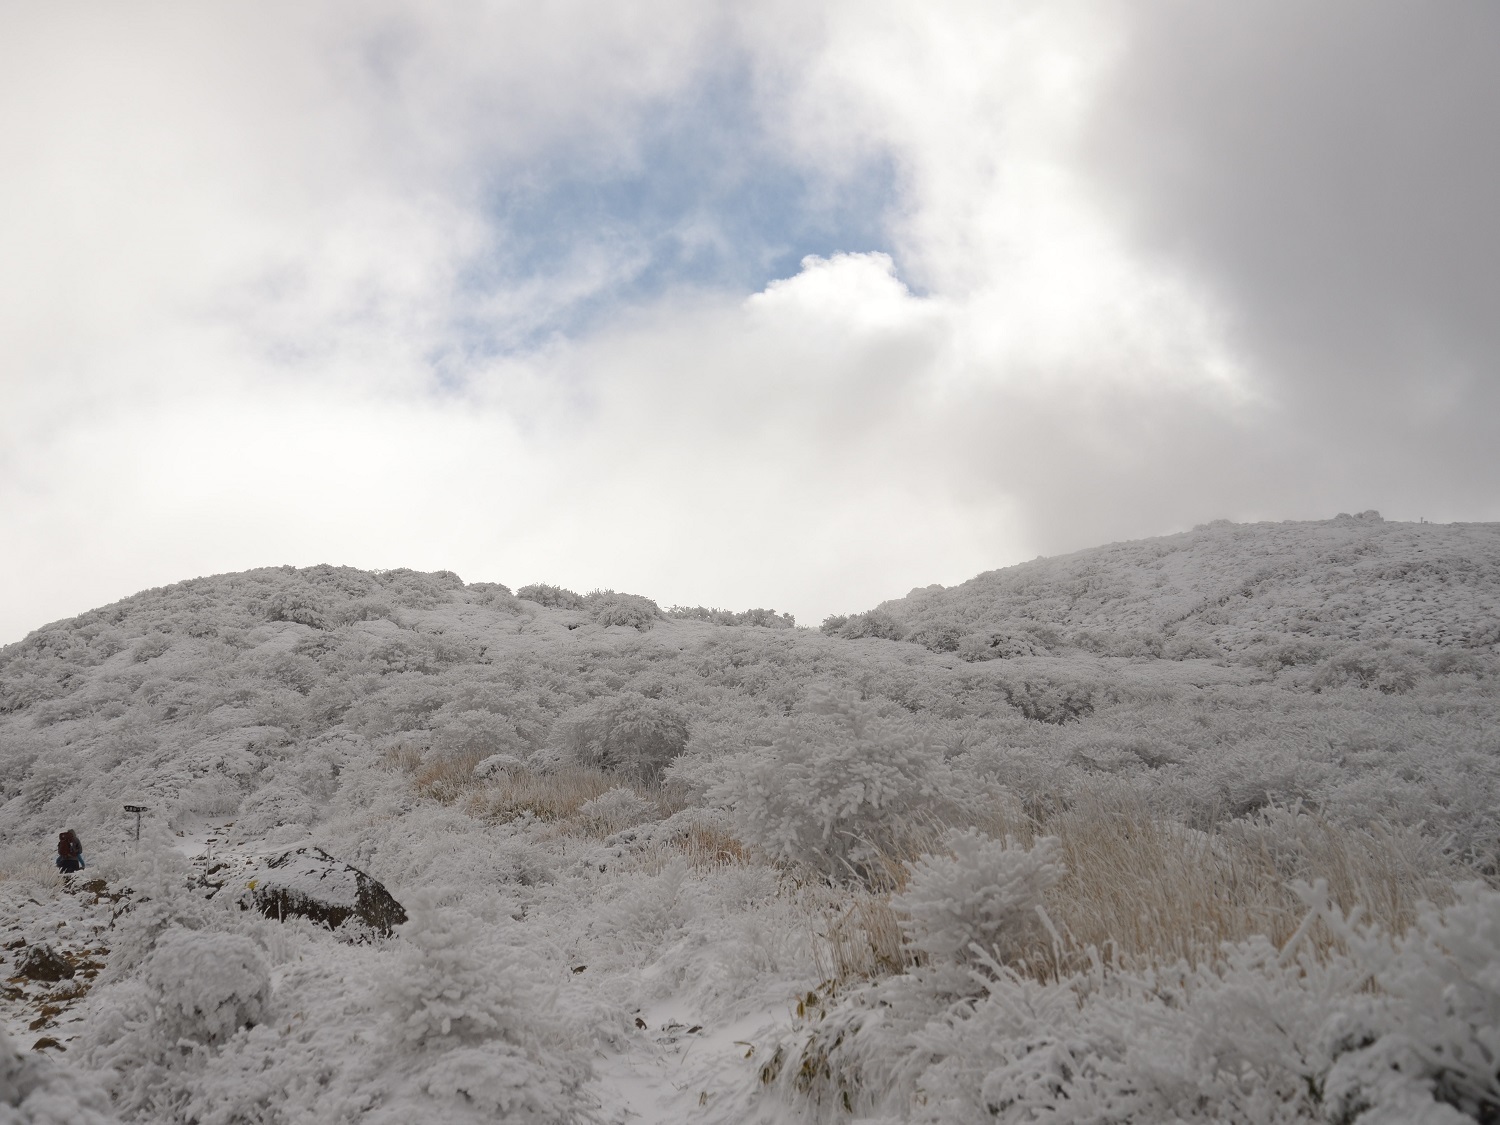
555,795
1144,891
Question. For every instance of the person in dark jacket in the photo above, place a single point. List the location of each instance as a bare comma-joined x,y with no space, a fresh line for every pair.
69,852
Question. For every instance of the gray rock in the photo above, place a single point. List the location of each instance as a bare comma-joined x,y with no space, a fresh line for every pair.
307,882
44,963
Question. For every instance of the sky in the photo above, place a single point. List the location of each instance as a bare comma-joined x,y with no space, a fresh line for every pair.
792,305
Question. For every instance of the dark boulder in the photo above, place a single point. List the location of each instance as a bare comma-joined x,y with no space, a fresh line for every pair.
42,962
307,882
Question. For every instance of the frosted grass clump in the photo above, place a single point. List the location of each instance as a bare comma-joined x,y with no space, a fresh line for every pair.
981,900
498,764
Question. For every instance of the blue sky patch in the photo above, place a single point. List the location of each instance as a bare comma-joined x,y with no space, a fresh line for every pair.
703,201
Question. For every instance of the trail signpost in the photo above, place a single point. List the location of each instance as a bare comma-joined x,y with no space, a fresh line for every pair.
137,809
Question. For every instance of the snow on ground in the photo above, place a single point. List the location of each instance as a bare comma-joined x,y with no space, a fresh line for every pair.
618,951
73,919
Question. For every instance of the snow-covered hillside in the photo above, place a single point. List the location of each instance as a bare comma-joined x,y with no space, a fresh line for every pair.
1243,590
668,867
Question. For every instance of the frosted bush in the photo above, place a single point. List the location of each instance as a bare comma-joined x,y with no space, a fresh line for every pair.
214,796
616,809
986,894
300,606
1389,669
876,623
150,646
553,597
1434,1031
34,1090
480,733
450,986
50,776
162,901
610,608
500,1082
996,644
273,806
840,790
626,733
206,985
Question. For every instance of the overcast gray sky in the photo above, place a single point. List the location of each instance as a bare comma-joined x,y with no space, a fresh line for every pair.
782,303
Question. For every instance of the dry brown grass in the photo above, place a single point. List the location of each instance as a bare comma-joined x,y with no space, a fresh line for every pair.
1155,892
1141,890
447,778
710,847
404,756
862,942
552,796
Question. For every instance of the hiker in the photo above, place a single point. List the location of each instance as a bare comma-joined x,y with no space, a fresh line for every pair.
69,852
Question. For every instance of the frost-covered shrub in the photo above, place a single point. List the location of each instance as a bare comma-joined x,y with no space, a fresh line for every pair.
272,806
161,901
1384,667
301,606
206,985
553,597
474,732
34,1090
994,644
616,809
1483,634
937,636
1432,1030
627,733
985,894
150,646
449,985
840,790
50,775
212,796
876,623
632,610
498,1082
764,618
1051,701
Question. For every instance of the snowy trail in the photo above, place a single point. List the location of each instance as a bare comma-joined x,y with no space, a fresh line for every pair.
74,917
681,1072
74,921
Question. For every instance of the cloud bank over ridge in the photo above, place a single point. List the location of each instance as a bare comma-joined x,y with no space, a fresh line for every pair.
772,304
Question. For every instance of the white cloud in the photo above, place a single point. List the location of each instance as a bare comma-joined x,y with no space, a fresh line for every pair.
251,285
